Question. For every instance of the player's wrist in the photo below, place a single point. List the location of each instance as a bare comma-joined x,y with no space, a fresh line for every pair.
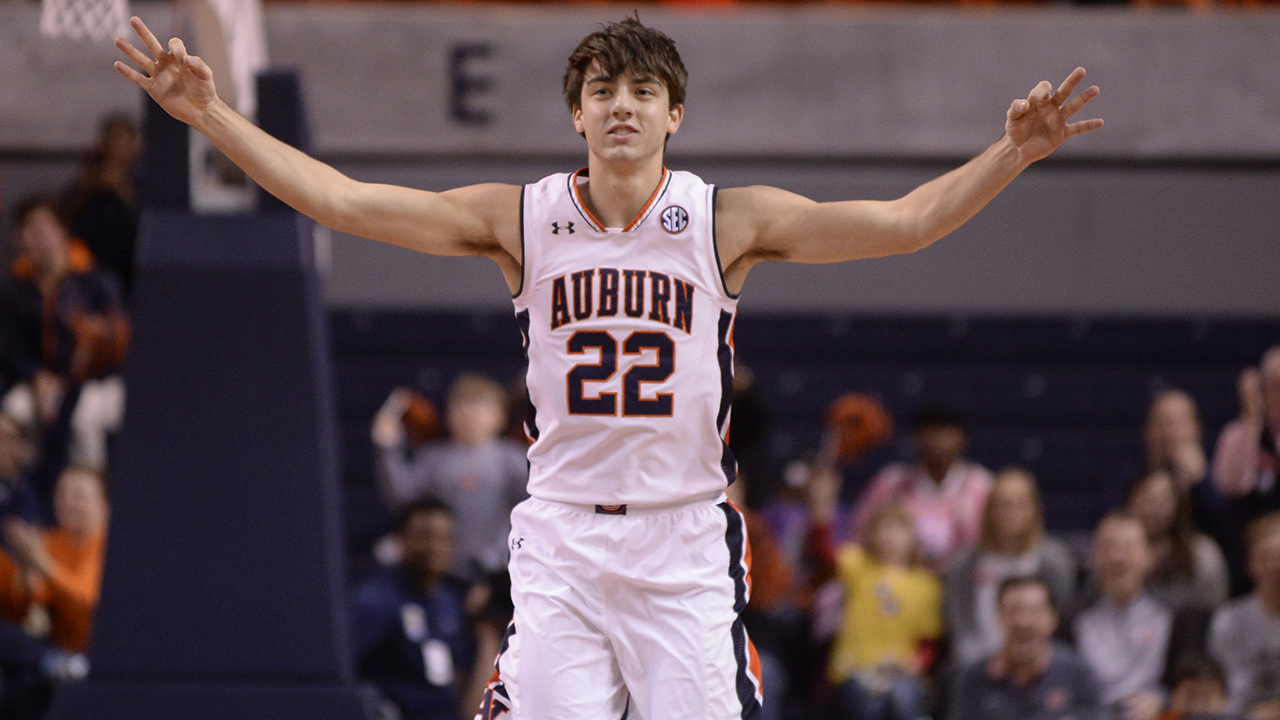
213,115
1009,152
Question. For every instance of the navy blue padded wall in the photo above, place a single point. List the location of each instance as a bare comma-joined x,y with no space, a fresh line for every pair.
223,589
225,494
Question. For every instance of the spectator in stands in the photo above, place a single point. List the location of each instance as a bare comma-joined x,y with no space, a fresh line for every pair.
101,203
1124,636
49,584
1246,461
479,474
63,334
1245,635
1174,444
1031,677
1012,543
413,637
944,491
59,570
16,456
1199,691
892,616
1189,571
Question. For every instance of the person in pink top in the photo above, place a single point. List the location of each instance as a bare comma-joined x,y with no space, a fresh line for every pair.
1246,462
944,491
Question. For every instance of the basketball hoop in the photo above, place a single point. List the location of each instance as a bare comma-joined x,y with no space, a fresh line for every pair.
96,20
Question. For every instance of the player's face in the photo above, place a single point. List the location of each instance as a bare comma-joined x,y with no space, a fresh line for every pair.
625,118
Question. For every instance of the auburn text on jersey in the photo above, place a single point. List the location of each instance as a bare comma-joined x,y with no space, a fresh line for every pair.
607,292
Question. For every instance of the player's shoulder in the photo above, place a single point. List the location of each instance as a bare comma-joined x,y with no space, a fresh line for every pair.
498,202
742,212
756,198
486,193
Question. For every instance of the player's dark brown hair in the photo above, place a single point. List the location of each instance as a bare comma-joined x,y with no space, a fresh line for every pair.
626,47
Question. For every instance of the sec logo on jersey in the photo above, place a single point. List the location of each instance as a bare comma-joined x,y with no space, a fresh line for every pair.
674,219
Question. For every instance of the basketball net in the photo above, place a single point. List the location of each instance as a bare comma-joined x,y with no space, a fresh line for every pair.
96,20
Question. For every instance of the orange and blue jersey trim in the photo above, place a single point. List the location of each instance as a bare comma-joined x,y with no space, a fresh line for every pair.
595,223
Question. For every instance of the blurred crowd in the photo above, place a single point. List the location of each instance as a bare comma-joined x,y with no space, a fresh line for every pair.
930,587
64,332
937,592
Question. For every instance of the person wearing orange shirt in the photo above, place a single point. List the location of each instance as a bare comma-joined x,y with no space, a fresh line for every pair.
63,336
49,584
58,571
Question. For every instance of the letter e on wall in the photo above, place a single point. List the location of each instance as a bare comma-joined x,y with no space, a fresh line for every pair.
467,84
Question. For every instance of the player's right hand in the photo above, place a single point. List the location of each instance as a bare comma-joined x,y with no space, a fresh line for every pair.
182,84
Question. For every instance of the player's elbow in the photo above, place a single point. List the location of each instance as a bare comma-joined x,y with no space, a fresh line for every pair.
344,208
908,228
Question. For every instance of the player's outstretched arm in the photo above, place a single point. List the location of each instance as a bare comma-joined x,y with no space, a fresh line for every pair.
478,220
761,223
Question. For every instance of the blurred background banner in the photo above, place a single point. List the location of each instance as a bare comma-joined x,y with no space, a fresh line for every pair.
765,82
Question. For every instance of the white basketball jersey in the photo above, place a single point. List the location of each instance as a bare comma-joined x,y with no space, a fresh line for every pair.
629,336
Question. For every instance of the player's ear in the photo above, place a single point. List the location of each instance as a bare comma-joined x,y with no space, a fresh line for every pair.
577,120
674,116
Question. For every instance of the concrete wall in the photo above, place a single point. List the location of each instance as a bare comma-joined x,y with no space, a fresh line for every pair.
765,81
804,99
1078,239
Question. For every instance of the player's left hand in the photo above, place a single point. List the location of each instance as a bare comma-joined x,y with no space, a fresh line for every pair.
1038,124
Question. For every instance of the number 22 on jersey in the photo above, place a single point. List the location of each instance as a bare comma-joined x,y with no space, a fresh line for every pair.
633,402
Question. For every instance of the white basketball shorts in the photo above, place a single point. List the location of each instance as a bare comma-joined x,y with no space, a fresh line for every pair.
626,616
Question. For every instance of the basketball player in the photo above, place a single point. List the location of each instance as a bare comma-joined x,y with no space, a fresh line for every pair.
628,566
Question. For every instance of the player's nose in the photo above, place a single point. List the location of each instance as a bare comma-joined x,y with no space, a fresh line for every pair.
622,106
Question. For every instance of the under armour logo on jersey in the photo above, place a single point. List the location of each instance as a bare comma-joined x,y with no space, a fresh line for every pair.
557,227
517,543
674,219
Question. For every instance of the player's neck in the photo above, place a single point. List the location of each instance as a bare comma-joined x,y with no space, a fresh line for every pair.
616,192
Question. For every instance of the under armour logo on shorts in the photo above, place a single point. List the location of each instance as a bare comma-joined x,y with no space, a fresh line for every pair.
674,219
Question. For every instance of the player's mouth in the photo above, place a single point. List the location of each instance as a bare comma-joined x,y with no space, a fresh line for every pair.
622,131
